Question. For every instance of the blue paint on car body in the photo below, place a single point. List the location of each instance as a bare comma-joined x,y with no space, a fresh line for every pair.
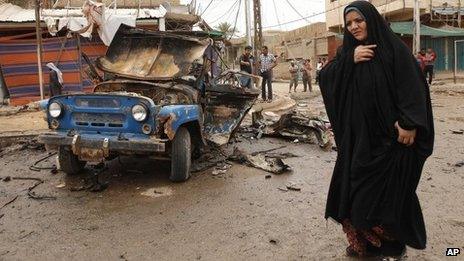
183,114
101,113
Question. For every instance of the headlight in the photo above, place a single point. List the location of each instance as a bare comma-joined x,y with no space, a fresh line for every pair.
139,112
54,109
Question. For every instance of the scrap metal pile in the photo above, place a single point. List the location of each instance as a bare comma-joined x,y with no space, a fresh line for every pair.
296,125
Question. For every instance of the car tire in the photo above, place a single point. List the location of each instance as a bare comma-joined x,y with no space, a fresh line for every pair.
69,163
181,155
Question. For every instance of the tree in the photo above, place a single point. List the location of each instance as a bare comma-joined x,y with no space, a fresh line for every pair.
227,29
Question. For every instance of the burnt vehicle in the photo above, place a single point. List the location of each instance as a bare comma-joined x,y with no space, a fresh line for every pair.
160,98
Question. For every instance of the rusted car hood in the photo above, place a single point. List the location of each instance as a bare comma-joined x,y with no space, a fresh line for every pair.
151,55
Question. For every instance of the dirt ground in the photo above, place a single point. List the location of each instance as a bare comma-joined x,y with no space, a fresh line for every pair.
240,215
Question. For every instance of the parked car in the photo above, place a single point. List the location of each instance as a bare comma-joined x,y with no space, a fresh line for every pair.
160,98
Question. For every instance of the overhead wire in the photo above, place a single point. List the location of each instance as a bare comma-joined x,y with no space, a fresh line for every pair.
296,11
280,24
305,17
209,4
277,14
229,11
236,19
278,21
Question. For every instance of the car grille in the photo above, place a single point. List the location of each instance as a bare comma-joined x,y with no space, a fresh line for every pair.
99,120
87,102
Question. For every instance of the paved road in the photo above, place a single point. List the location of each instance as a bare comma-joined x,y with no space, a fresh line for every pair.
239,215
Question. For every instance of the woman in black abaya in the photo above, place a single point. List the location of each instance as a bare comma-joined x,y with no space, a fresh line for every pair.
379,106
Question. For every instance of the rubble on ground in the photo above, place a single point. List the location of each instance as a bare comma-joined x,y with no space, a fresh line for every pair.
267,161
294,125
12,110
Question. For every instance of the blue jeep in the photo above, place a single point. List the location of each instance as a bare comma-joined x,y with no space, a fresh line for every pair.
160,98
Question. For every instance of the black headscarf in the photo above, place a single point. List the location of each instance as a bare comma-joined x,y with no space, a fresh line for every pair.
375,177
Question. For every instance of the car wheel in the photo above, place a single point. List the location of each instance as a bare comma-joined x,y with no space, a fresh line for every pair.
69,163
181,156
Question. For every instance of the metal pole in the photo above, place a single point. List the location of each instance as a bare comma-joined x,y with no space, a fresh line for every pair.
247,22
39,46
258,40
79,59
431,10
455,61
417,23
455,72
459,13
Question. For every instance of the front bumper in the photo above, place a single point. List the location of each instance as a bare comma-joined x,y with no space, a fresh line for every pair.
96,147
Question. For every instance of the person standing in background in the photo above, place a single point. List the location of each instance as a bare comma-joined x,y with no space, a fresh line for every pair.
318,69
266,63
246,65
246,60
55,86
306,70
420,61
293,70
324,62
430,57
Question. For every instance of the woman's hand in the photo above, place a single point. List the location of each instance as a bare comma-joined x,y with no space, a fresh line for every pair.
405,137
364,53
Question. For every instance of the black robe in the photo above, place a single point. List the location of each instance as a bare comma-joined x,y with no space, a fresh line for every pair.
375,177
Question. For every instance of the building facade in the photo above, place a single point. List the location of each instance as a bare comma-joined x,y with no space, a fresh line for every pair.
441,19
308,42
393,10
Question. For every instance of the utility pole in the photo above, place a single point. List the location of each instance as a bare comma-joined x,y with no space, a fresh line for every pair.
248,22
417,23
39,46
258,41
459,13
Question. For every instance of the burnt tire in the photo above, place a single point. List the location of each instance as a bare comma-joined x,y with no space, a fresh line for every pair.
181,155
69,163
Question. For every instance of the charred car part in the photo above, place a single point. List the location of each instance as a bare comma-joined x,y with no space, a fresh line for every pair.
160,101
293,125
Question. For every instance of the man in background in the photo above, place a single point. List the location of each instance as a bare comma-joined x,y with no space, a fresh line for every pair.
430,57
318,69
246,65
293,70
266,63
324,62
55,86
306,70
246,60
420,61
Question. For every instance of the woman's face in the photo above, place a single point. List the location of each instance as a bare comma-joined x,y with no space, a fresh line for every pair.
356,25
